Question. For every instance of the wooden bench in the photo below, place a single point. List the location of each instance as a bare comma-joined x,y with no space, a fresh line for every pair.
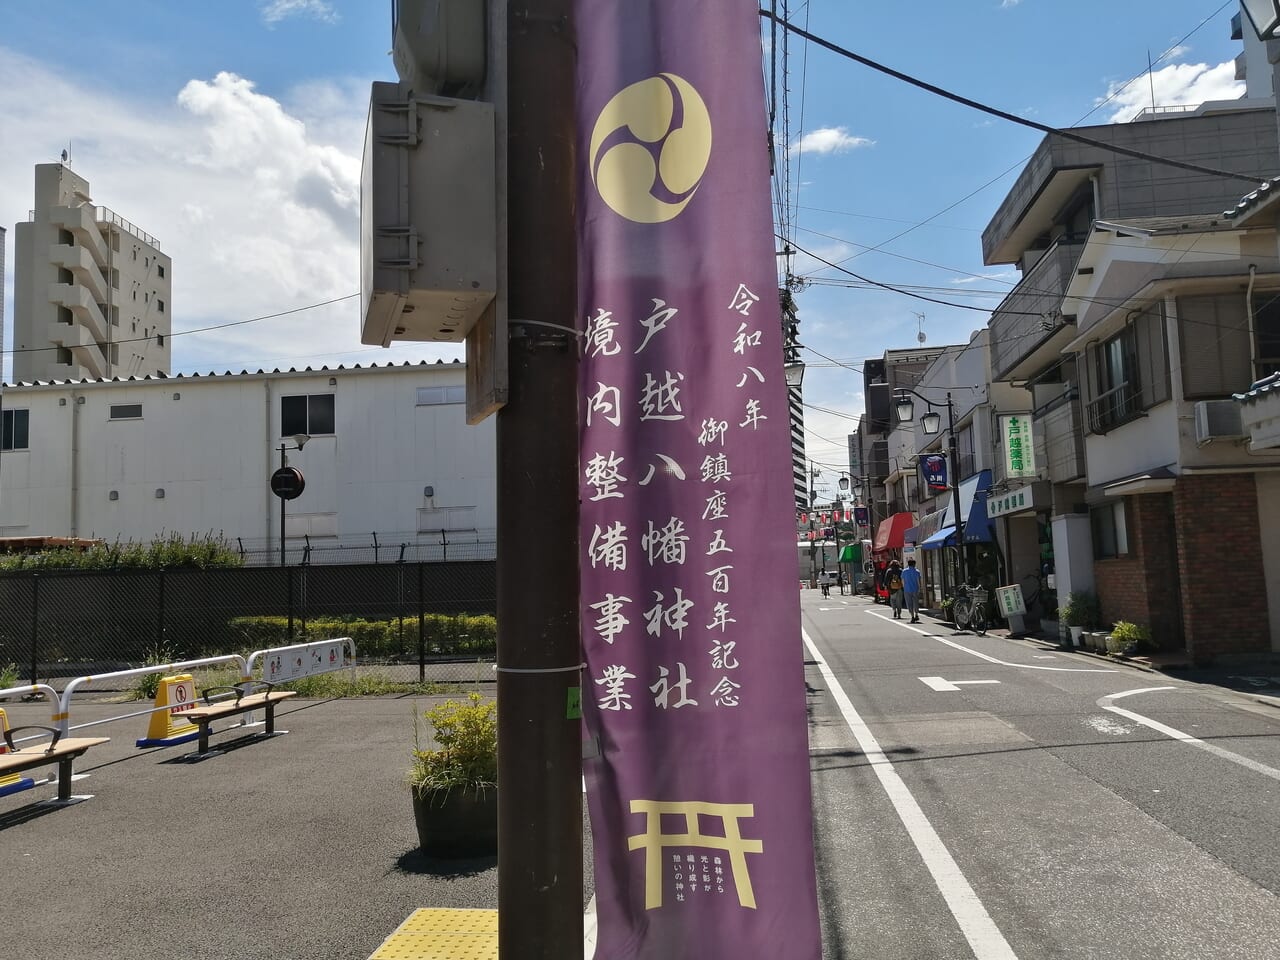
61,751
245,701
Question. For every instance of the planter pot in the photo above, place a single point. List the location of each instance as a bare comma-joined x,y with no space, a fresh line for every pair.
458,823
1075,635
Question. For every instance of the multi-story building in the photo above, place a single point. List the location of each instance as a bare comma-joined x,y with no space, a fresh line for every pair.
1174,316
92,292
880,379
1042,227
387,453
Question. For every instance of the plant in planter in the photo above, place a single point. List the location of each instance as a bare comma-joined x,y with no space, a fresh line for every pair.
1081,612
455,784
1127,638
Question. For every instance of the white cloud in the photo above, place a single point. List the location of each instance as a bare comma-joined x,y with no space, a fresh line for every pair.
277,10
1175,85
256,199
1009,3
830,140
999,276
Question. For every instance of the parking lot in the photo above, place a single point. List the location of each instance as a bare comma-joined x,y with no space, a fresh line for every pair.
297,846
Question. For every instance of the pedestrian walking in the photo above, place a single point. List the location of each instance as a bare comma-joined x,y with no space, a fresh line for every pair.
911,590
893,583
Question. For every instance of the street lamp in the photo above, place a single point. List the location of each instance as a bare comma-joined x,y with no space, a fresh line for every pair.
1265,16
930,423
282,480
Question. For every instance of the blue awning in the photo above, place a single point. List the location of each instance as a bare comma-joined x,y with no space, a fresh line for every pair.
973,505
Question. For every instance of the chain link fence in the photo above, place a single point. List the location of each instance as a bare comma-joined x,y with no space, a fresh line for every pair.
429,620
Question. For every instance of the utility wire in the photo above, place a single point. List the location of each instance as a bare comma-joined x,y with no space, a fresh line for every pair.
216,326
1005,115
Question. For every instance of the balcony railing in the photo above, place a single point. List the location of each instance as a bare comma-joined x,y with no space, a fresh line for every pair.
1117,406
1029,314
1059,439
106,215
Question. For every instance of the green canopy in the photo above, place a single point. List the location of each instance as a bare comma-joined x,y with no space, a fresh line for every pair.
851,553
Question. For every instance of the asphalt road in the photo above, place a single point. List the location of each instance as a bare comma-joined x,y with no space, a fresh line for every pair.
974,797
996,798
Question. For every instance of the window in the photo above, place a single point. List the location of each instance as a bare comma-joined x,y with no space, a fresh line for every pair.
126,411
1115,393
160,269
64,356
1110,535
66,237
14,429
432,396
65,275
1266,333
159,339
64,315
311,415
1215,345
159,304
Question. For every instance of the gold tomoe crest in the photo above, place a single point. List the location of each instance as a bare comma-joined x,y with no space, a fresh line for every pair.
650,147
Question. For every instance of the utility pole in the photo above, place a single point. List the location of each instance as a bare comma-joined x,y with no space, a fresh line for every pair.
539,645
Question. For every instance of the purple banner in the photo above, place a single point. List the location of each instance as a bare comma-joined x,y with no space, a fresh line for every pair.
694,692
861,516
934,468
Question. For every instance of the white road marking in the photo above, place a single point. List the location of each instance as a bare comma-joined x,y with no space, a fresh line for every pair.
949,686
985,938
1044,656
983,656
1106,704
589,929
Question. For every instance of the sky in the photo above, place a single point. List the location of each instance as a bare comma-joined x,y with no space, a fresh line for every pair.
232,131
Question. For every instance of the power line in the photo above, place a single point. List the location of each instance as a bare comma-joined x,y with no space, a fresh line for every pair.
216,326
1009,170
1005,115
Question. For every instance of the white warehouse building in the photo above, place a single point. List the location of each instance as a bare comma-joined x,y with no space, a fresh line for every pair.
387,453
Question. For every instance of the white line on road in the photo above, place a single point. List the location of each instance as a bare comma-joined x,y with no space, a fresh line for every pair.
1106,704
983,656
984,937
949,686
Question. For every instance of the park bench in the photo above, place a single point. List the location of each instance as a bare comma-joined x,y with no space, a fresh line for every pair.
62,751
245,701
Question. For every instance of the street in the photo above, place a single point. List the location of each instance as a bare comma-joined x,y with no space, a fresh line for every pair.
996,798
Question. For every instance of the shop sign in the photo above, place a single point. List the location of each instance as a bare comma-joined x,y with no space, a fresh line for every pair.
1011,601
1015,501
1019,446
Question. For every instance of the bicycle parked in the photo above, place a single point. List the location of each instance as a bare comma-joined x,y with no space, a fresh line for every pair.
969,609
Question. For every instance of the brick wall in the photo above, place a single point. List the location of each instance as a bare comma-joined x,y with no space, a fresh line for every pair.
1219,550
1142,586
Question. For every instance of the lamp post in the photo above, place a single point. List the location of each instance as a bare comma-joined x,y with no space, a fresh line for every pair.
286,483
930,423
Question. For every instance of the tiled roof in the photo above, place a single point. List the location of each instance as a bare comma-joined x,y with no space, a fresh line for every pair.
1260,389
1250,202
228,373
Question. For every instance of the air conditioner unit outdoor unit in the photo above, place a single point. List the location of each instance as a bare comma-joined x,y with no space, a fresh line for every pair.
1218,420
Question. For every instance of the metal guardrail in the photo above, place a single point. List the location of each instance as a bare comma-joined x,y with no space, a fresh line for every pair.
1116,406
107,215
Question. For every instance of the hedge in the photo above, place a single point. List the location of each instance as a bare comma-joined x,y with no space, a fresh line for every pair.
162,553
463,635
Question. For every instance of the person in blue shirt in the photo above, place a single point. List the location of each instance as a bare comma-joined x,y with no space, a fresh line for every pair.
911,590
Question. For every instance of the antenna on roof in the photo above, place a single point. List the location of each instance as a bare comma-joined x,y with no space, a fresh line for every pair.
66,154
921,336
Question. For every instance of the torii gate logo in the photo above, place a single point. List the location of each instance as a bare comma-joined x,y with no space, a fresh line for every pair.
650,147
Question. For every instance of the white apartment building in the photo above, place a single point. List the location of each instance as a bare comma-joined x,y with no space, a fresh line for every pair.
387,451
91,290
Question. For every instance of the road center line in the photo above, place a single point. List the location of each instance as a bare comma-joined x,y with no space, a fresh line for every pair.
1106,704
983,656
985,938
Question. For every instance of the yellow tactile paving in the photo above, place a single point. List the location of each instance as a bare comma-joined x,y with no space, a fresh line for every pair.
443,934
